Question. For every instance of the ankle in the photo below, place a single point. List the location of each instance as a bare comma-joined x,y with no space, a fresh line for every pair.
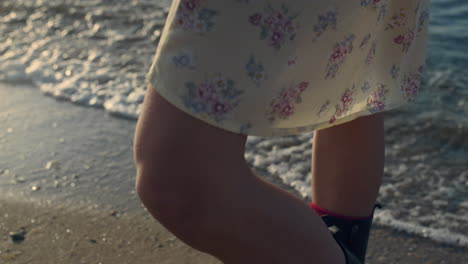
322,211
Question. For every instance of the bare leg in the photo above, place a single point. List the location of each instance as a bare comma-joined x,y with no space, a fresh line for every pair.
348,161
193,178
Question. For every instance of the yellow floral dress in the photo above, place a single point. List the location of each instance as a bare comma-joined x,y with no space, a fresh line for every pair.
276,68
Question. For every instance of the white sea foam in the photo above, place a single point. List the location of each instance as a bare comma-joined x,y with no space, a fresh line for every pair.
417,198
443,235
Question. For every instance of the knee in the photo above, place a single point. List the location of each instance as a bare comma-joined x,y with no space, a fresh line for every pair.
172,201
164,193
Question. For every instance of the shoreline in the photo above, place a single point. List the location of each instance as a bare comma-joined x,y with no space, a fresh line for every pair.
57,235
89,190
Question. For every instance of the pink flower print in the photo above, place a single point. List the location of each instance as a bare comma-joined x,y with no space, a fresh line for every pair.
207,92
192,16
292,93
398,20
216,96
344,104
283,105
287,110
255,19
376,101
276,25
405,41
219,109
410,85
338,56
338,53
303,85
408,41
399,39
346,99
276,38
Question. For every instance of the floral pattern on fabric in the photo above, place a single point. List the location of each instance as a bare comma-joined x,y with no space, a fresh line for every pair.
338,56
277,25
248,70
410,84
364,41
371,54
184,61
216,96
193,16
326,21
255,71
399,20
283,105
376,101
405,40
344,104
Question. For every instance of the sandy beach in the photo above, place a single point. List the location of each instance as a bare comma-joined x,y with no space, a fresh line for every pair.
67,193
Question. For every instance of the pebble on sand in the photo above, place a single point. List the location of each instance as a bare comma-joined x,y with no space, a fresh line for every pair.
19,236
52,164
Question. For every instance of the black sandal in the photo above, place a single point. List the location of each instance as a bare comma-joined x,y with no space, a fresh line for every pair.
351,235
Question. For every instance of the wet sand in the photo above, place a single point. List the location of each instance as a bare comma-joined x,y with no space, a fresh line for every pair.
67,193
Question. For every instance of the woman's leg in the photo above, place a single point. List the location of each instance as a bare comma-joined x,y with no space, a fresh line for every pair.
348,162
193,178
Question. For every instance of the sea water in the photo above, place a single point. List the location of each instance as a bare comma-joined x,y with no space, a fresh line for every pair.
97,52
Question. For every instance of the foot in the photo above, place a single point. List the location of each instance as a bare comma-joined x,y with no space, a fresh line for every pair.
351,235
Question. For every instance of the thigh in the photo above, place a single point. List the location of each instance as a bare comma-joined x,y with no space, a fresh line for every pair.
165,131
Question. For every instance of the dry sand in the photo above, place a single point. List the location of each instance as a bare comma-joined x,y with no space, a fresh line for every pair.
48,226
